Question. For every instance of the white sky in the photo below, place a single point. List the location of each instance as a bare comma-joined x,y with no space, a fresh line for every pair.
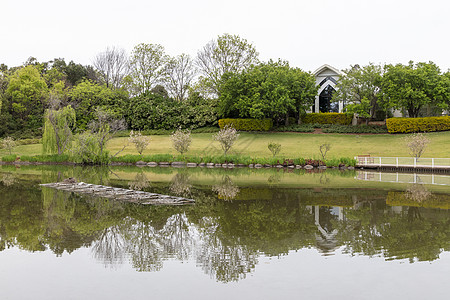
306,33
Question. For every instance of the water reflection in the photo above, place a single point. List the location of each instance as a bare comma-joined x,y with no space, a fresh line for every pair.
417,192
140,182
226,238
226,190
181,185
8,179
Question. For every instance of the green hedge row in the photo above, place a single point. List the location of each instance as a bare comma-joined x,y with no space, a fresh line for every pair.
328,118
247,124
428,124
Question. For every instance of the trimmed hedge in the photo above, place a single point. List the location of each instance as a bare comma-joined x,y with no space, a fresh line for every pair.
428,124
247,124
328,118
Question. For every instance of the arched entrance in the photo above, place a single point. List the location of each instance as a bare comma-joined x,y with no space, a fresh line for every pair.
325,98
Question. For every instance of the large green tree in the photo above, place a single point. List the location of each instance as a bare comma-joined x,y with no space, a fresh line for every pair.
27,92
359,89
228,54
413,86
87,96
269,90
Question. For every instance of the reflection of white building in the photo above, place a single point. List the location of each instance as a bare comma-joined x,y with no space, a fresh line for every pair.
326,237
326,77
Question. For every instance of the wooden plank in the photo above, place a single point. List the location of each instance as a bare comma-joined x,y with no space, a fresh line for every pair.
119,194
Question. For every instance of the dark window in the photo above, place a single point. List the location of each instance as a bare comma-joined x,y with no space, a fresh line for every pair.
325,97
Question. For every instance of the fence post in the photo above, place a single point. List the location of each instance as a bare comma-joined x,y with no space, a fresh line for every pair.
414,162
432,163
396,161
380,161
365,161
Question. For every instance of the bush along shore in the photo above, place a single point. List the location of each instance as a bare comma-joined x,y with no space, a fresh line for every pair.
164,160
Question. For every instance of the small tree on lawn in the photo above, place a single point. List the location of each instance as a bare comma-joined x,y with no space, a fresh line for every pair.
274,148
9,143
324,148
226,137
140,141
417,143
181,140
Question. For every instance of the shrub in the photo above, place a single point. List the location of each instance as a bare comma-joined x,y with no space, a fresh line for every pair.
355,129
328,118
297,128
46,158
428,124
9,158
247,124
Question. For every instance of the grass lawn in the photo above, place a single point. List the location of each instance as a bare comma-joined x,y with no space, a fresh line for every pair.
292,145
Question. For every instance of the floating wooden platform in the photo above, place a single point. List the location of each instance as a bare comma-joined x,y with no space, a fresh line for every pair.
119,194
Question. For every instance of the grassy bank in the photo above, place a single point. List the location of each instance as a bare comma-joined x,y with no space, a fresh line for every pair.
294,145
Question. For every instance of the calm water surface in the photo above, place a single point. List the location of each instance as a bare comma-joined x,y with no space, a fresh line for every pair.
252,234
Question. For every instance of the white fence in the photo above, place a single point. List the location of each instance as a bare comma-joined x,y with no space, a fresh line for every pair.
374,161
404,178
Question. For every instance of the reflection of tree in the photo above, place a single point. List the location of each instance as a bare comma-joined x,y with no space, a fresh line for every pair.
226,190
223,260
181,185
139,183
110,246
8,179
224,238
404,234
417,192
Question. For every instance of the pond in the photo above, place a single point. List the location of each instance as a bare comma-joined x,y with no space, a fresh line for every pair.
253,234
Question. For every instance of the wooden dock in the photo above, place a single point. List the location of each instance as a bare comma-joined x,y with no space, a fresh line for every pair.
119,194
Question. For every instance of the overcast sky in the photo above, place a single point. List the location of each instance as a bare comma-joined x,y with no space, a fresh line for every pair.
306,33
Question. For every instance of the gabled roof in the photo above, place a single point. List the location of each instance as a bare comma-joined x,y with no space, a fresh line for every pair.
324,67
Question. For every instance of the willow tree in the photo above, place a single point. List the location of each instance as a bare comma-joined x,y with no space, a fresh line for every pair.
57,137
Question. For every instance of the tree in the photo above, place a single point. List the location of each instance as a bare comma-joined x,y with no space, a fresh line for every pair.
87,97
9,143
417,143
27,91
359,89
269,90
180,74
147,66
140,141
90,146
274,148
57,136
228,54
181,140
112,66
226,137
413,86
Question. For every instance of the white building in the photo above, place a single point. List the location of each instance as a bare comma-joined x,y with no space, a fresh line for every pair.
326,78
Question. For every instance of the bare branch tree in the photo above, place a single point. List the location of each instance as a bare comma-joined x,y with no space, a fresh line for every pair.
417,143
147,67
180,74
229,53
112,65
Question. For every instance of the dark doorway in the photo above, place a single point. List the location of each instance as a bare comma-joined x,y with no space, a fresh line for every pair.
325,97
